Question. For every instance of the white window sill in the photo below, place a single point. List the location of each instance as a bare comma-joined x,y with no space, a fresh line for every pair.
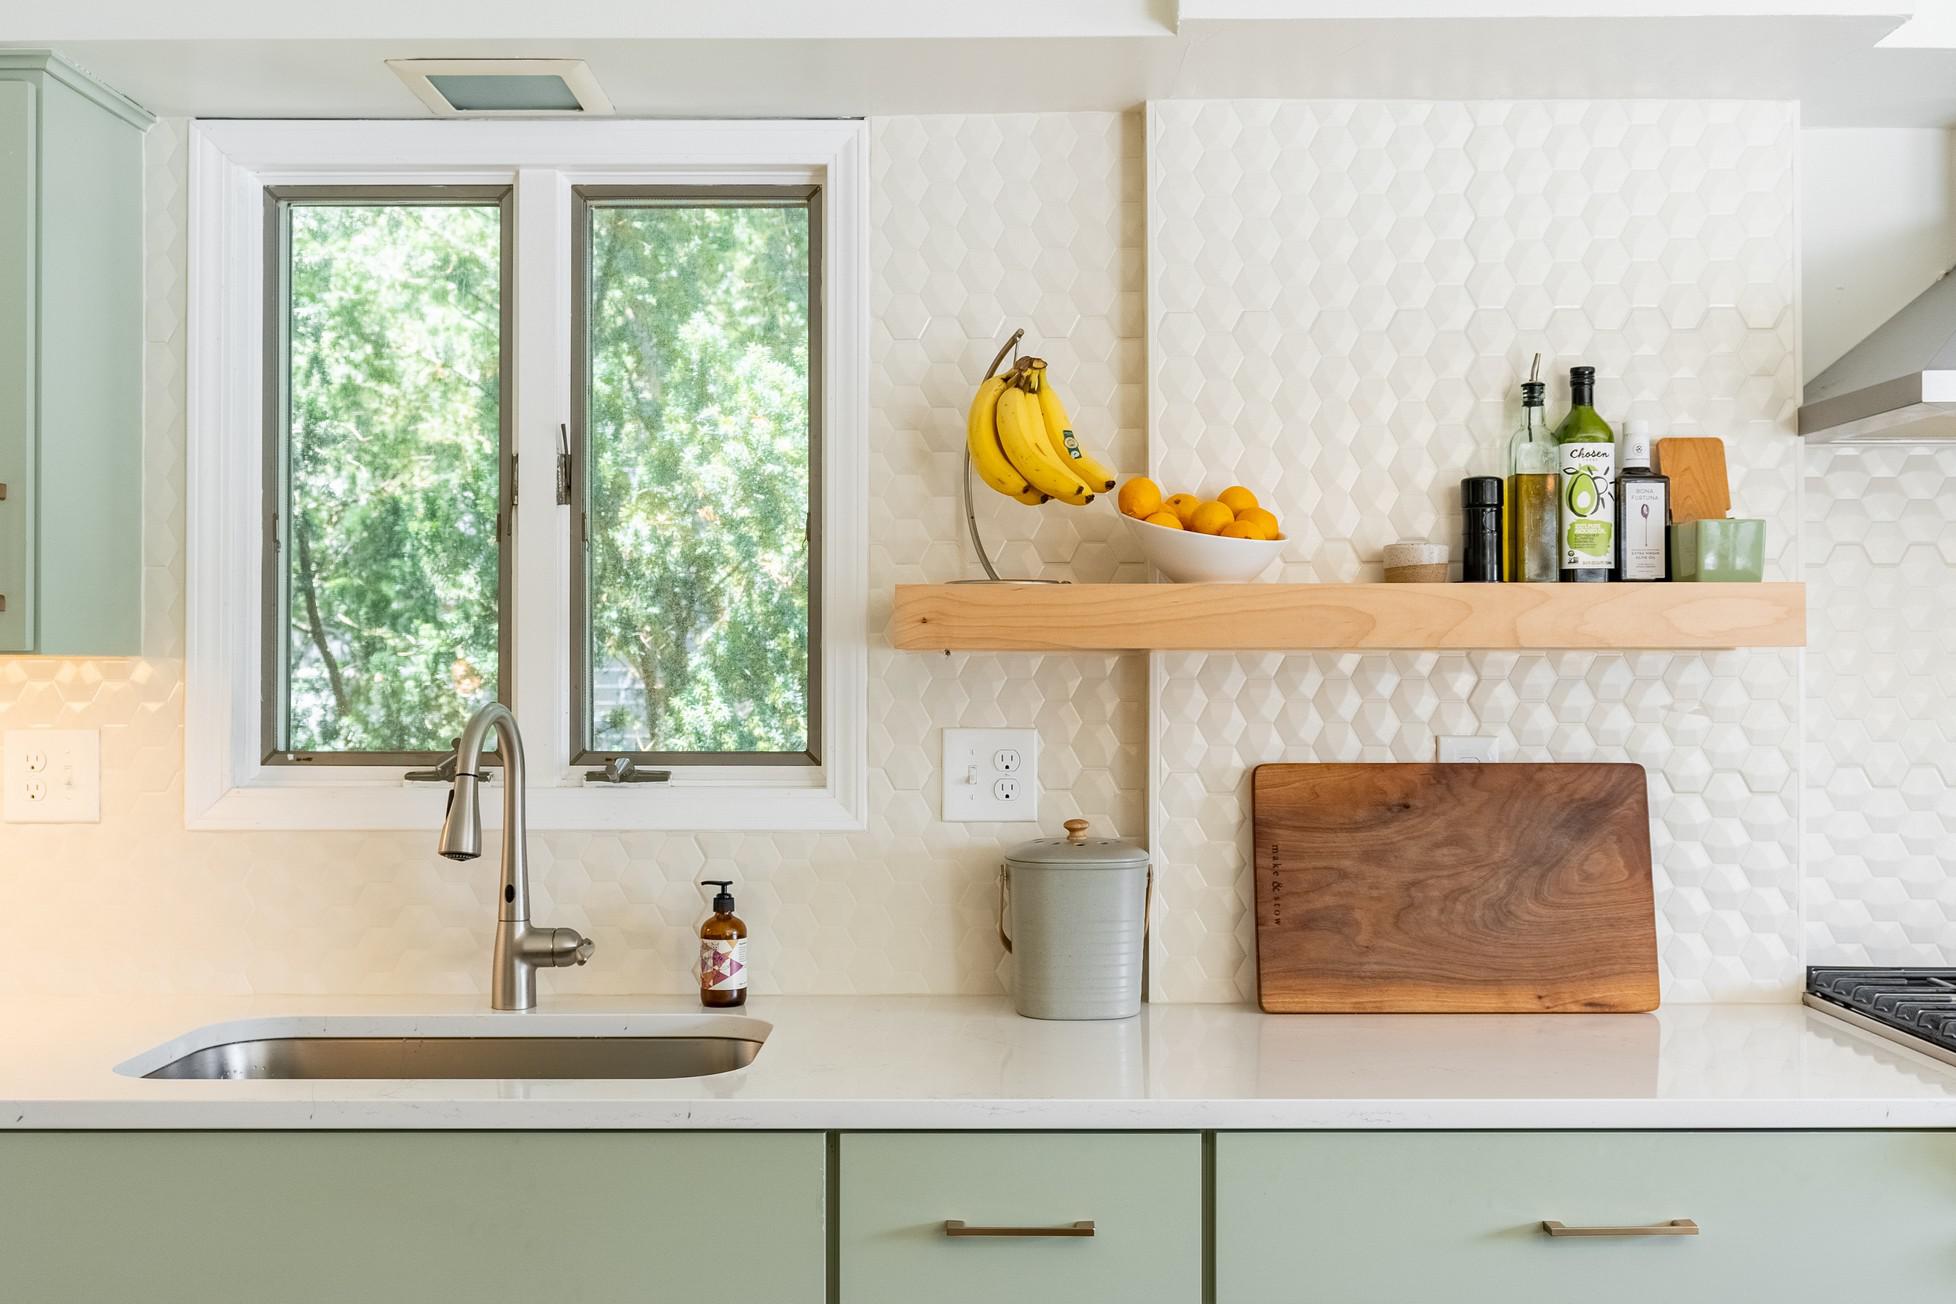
389,804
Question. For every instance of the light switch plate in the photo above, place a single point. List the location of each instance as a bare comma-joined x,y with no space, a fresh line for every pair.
991,775
1469,751
53,776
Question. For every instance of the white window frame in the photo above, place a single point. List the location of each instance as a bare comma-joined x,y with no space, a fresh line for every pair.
226,783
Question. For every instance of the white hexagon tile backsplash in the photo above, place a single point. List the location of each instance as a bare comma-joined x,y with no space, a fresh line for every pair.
969,215
1881,706
1343,297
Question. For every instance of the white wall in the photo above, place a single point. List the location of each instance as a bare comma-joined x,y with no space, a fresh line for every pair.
1880,836
1878,227
978,224
1343,296
1435,314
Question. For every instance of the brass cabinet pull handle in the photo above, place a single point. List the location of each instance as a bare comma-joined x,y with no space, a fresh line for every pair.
958,1227
1675,1227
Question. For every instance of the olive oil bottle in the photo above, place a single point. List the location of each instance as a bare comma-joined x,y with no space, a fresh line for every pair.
1534,517
1643,511
1585,448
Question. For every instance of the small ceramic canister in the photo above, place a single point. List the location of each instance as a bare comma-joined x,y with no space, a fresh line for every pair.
1077,907
1415,563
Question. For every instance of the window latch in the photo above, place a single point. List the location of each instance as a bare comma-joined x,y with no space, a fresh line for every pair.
563,466
621,769
442,773
444,770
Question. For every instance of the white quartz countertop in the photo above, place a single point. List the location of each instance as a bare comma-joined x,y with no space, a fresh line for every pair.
971,1063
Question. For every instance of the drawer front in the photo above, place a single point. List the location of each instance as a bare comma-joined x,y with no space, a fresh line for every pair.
432,1217
1388,1217
1142,1192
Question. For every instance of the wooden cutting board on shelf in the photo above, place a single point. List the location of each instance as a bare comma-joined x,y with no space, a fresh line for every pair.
1454,889
1701,488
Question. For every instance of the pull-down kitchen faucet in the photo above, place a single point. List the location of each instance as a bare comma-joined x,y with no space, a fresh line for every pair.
520,948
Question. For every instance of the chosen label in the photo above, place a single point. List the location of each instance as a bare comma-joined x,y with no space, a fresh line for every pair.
1588,509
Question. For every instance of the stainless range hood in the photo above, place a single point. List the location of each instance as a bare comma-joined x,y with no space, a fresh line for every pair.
1896,386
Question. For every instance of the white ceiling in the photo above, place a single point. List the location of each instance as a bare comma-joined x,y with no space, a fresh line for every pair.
892,56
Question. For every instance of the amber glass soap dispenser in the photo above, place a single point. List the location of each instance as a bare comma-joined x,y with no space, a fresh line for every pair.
723,951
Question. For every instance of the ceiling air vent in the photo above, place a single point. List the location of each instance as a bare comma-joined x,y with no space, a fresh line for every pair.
507,88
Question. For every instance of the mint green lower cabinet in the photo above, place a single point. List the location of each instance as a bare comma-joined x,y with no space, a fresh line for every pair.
412,1217
1143,1192
1396,1217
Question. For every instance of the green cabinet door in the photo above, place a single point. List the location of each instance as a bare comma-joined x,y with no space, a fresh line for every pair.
1397,1217
413,1217
71,361
1141,1191
18,133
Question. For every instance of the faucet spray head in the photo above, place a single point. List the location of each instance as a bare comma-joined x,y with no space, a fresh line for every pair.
461,829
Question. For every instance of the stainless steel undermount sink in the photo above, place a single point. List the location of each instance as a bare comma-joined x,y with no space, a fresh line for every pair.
463,1057
555,1047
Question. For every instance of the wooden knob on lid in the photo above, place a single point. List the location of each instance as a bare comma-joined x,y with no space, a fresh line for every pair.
1076,832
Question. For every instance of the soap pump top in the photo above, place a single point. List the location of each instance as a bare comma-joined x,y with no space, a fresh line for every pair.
723,902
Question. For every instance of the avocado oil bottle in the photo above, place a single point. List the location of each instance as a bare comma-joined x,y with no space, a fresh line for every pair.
1585,449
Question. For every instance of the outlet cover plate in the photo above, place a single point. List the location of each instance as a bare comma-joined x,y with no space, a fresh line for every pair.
53,776
991,775
1469,751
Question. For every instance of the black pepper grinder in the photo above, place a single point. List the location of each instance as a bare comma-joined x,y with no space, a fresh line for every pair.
1480,504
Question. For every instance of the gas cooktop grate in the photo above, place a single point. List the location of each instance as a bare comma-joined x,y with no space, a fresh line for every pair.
1919,1001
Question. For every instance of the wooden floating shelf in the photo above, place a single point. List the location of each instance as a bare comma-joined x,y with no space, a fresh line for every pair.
1345,617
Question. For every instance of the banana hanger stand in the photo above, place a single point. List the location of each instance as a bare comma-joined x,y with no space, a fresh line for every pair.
992,576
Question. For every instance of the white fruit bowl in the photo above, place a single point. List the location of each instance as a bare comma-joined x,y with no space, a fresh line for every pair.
1191,558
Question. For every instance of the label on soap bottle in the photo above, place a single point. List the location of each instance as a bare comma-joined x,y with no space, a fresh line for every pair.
723,964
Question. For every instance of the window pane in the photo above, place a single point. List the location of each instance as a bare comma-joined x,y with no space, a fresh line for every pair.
697,421
390,556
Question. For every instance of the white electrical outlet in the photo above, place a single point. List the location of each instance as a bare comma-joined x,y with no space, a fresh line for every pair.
53,776
991,774
1469,751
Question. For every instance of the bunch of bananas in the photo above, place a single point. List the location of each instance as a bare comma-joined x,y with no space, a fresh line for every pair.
1023,444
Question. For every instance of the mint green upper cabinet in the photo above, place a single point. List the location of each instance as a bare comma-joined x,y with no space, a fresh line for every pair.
71,361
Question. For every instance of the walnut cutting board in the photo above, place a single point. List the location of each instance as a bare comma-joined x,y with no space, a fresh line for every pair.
1453,888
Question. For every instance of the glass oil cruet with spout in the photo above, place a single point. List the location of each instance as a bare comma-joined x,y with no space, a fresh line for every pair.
1534,512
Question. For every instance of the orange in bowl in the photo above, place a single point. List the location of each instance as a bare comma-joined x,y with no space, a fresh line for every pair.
1183,505
1262,521
1165,519
1237,499
1140,498
1210,518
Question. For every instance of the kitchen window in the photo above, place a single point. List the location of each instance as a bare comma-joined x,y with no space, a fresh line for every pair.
692,596
571,416
387,392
